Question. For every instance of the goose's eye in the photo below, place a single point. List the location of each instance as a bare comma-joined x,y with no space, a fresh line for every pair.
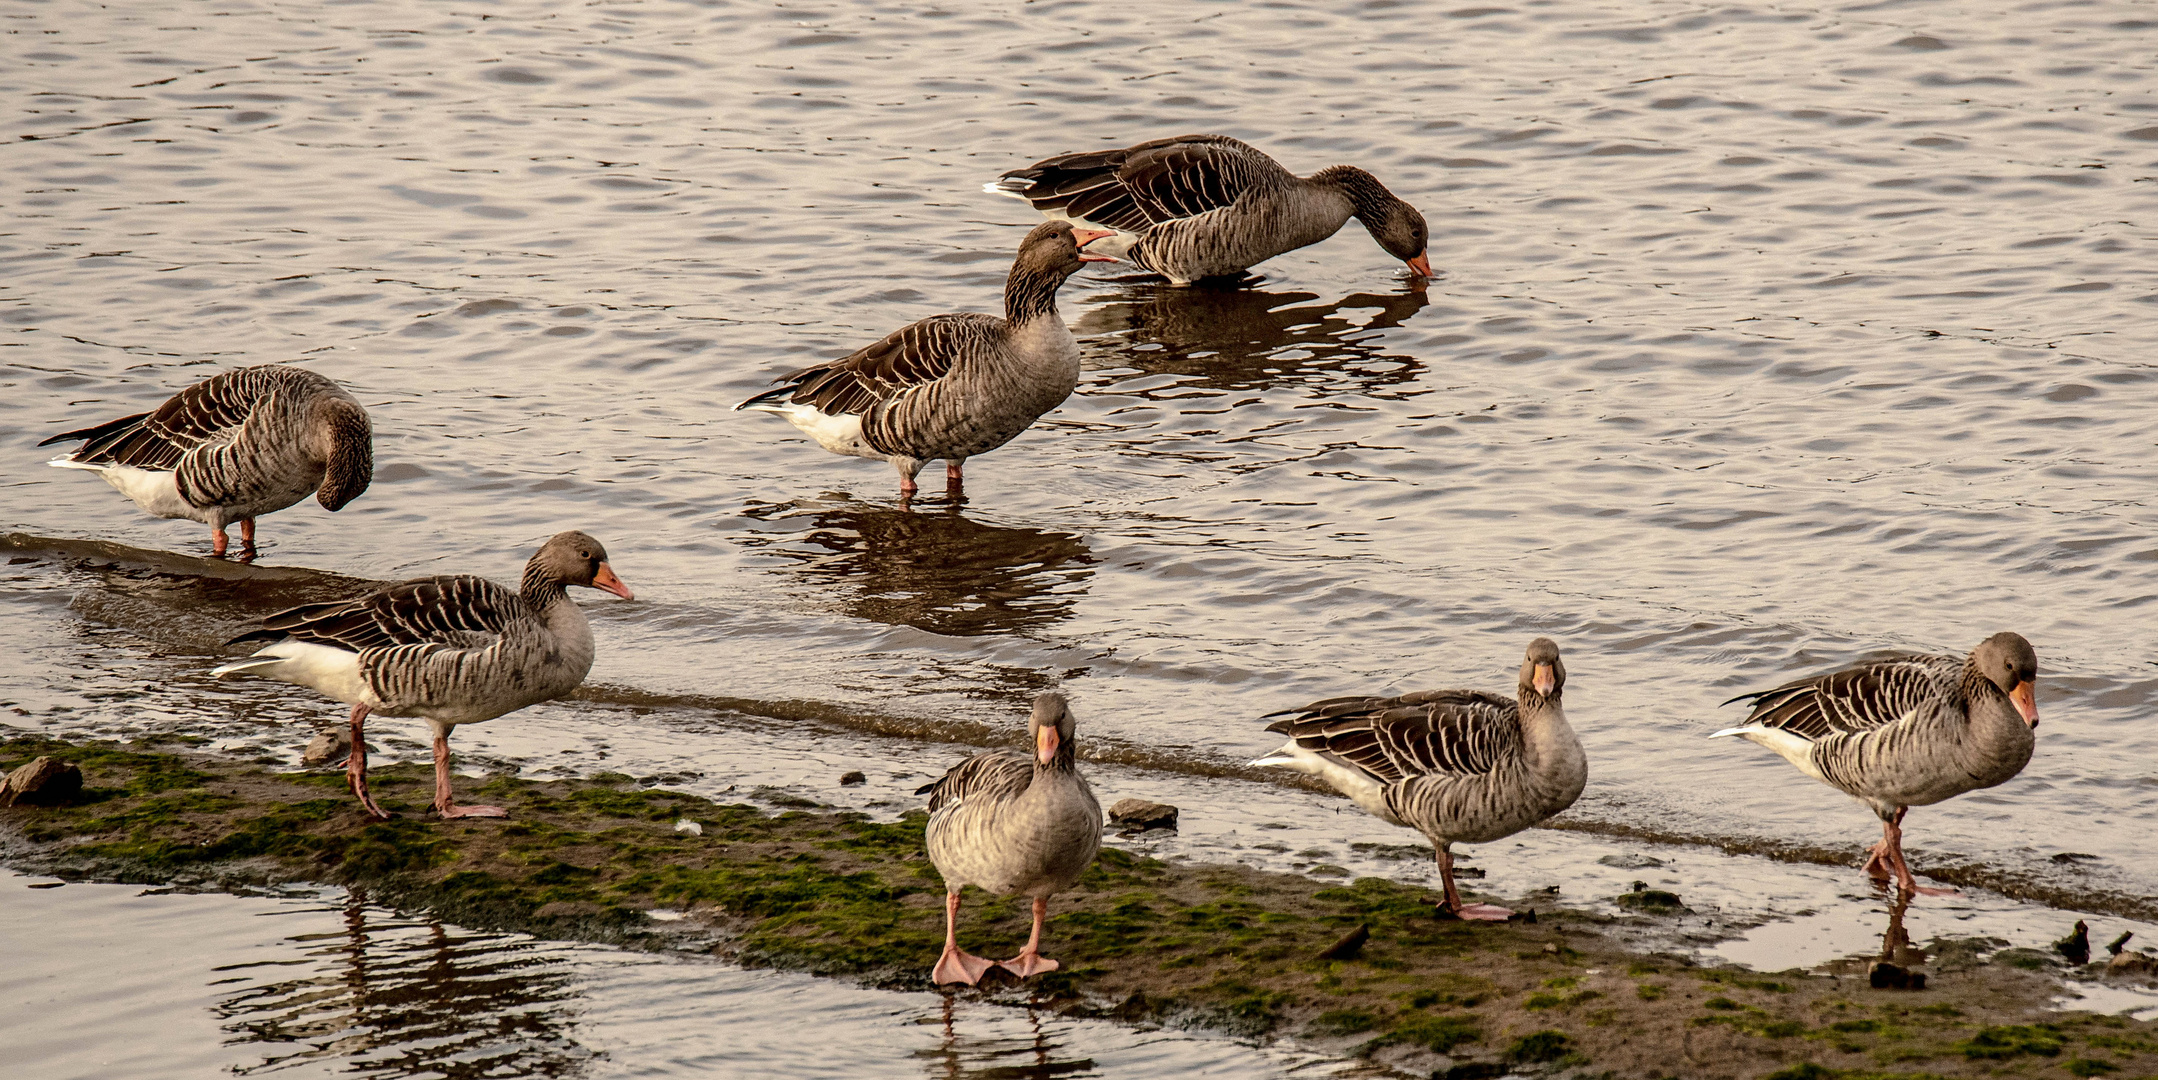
584,555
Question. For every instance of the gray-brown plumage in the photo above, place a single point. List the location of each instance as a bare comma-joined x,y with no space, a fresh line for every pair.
1459,766
1012,824
1905,730
1199,206
233,447
949,386
453,649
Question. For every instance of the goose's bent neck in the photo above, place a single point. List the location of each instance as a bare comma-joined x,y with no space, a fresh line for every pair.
1030,294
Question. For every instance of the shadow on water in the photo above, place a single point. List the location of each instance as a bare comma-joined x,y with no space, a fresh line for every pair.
1237,338
932,567
391,996
962,1057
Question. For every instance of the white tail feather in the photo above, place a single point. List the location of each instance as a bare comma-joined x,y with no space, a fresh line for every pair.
241,667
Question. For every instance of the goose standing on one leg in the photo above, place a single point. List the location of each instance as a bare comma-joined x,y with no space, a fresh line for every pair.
1008,823
1908,730
453,649
1459,766
234,447
1200,206
949,386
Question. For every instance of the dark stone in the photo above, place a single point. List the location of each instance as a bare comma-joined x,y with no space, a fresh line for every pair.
1651,901
43,782
2114,947
1349,947
1133,1008
1886,976
1139,815
852,778
2077,945
1529,917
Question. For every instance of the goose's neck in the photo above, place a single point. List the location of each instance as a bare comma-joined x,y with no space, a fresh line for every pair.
540,589
1368,199
1993,718
1547,738
1030,293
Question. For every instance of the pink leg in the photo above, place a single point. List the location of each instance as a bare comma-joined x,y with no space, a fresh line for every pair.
956,966
247,540
356,766
1030,960
907,487
444,805
1454,906
1892,839
218,541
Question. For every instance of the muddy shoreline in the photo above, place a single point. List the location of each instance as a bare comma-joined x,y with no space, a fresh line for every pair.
1229,948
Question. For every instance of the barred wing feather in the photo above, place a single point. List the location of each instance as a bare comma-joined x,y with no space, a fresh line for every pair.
1861,698
209,411
456,610
1000,775
911,357
1462,732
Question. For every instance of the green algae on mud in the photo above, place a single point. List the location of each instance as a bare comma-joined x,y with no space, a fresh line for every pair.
1224,947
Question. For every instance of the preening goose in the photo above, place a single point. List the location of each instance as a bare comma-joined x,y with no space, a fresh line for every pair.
1010,823
949,386
1459,766
233,447
1199,206
1908,730
453,649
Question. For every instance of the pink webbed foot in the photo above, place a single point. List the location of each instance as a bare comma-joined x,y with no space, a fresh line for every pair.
956,966
471,811
1482,912
1028,964
1877,863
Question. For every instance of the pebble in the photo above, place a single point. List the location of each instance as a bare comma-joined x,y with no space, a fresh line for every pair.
43,782
1140,815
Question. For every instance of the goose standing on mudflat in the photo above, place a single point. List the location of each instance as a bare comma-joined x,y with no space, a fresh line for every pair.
1907,730
949,386
1012,824
1459,766
233,447
1200,206
454,649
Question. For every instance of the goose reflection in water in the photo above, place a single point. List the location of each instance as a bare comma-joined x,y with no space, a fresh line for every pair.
933,568
394,995
974,1057
1232,337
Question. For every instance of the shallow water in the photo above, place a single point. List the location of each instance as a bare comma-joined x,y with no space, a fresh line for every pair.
1765,339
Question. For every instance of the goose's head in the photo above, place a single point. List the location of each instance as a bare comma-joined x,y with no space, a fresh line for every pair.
1052,250
1398,227
2007,661
346,443
1543,674
1050,730
574,558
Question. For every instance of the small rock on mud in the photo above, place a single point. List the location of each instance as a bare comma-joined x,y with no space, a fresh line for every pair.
330,746
1886,976
852,778
2132,962
1139,815
43,782
1630,861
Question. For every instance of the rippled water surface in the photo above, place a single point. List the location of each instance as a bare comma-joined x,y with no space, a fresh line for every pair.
1766,337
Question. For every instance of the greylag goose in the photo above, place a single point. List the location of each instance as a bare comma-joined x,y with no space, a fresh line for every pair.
1459,766
949,386
454,649
1903,731
234,447
1010,823
1200,206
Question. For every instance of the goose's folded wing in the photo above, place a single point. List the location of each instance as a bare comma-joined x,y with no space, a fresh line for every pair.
1188,176
912,357
451,610
999,775
1859,698
1436,731
1134,188
207,411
